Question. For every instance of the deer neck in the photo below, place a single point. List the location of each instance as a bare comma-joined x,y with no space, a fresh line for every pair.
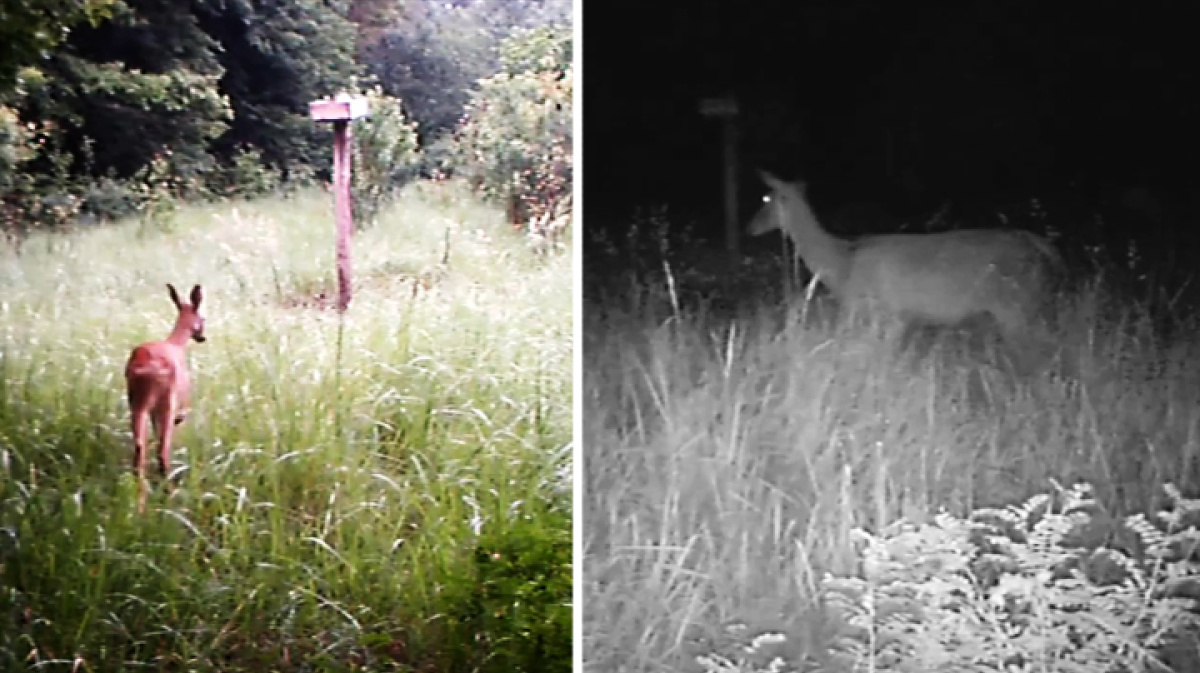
180,336
823,253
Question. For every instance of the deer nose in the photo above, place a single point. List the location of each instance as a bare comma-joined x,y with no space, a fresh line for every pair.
199,338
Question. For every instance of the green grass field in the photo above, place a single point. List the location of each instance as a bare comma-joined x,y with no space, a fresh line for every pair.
387,491
728,460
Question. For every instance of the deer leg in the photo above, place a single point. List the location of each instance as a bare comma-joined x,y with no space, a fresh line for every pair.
157,425
1024,351
165,420
140,417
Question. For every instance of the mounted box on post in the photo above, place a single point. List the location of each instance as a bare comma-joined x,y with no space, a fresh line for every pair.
344,108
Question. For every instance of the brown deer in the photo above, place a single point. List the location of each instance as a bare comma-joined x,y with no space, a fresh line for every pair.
159,388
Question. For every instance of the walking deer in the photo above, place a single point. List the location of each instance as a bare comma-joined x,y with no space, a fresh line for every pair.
939,278
158,385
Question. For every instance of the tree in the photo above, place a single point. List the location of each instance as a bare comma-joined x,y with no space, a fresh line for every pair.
436,52
29,30
121,93
278,55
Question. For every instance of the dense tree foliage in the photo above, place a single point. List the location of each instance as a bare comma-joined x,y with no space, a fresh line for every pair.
435,54
148,99
29,29
278,55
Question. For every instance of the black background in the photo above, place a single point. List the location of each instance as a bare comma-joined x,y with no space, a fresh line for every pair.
902,104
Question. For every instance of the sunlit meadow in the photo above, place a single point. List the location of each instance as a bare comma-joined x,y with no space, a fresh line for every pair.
388,490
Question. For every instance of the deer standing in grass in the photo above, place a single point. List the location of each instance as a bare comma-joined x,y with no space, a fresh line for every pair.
939,278
159,388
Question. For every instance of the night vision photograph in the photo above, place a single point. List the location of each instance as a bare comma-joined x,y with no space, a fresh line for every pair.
891,343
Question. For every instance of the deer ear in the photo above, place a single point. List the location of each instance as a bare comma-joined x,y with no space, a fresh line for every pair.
174,295
771,181
197,295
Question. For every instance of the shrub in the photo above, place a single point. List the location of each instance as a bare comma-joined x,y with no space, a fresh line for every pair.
247,175
158,188
14,147
386,155
515,142
108,198
36,188
522,572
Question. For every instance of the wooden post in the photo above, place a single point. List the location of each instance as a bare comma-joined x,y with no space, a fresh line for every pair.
341,111
343,210
726,109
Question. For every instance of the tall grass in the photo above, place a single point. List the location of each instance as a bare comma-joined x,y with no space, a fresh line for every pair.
386,490
729,461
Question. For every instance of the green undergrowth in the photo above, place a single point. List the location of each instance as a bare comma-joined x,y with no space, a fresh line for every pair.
384,490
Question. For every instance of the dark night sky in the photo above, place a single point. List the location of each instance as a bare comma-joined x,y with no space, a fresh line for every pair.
897,103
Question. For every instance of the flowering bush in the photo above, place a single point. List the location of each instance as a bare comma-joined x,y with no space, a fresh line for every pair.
515,142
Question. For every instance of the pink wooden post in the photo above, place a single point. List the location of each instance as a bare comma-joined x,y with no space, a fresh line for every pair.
341,111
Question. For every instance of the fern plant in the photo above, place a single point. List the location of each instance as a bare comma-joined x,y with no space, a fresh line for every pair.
1015,589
